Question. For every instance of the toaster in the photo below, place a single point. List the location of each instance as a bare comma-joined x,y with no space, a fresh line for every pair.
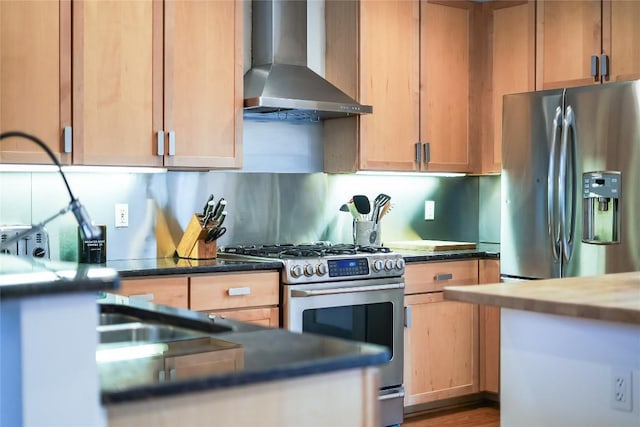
35,244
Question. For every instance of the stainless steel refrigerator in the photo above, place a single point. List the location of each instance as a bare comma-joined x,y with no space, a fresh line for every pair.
571,182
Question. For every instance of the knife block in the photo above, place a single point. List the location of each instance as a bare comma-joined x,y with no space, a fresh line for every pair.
192,245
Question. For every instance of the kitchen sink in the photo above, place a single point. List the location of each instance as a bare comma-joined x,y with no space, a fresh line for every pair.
138,333
116,319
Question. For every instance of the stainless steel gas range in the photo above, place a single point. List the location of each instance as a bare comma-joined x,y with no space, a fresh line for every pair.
346,291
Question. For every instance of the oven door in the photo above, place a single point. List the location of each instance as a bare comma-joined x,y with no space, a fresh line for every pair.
363,310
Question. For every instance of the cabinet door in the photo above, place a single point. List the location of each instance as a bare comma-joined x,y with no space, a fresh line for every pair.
172,291
489,332
389,64
205,363
35,78
441,348
621,39
234,290
568,36
203,83
512,36
113,75
264,316
444,95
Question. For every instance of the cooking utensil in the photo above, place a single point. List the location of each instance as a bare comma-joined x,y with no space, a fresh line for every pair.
352,209
380,200
344,208
363,206
220,219
215,233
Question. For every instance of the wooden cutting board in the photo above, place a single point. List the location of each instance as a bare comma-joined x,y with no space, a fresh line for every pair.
430,245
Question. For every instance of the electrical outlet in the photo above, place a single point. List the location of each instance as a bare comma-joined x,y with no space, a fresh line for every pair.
429,210
621,389
122,215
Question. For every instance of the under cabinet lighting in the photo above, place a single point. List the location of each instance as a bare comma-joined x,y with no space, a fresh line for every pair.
81,169
130,352
418,174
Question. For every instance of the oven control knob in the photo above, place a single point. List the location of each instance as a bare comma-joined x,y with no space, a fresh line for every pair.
378,265
400,264
321,269
296,271
309,270
388,264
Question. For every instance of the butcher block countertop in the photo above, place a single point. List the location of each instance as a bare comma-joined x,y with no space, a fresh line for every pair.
611,297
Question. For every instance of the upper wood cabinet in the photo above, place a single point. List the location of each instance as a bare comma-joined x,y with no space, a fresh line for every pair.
157,83
510,68
415,73
35,78
586,42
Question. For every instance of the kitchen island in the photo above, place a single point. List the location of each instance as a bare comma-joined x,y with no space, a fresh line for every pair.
564,342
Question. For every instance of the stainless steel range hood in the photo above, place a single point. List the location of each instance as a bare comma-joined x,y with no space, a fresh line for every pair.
280,85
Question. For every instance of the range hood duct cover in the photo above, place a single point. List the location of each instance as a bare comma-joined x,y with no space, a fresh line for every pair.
280,85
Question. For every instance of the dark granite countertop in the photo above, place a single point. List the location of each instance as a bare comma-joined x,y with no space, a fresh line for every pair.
26,276
483,250
168,266
267,354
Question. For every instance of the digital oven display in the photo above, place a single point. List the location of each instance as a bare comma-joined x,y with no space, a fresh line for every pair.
348,267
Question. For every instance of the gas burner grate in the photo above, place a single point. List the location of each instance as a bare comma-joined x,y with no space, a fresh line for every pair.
310,250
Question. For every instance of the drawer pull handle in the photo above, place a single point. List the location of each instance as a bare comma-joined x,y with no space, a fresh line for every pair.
444,276
239,291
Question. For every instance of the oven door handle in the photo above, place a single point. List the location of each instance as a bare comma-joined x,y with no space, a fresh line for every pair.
312,293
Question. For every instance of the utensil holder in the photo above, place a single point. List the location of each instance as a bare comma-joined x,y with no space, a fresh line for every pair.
366,233
193,245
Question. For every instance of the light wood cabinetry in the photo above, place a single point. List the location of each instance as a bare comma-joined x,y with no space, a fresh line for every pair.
190,365
172,291
441,337
252,297
586,42
35,78
510,38
489,272
415,73
157,83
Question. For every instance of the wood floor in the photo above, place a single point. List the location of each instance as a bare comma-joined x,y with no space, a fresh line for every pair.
476,416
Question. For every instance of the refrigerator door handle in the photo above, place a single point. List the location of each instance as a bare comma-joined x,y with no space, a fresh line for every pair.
568,152
552,187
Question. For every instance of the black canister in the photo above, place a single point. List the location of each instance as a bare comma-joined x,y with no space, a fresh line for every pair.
93,251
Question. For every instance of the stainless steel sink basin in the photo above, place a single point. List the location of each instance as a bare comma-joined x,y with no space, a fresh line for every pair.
138,332
116,319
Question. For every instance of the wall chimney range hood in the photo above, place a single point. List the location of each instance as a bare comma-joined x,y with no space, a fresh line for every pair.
280,85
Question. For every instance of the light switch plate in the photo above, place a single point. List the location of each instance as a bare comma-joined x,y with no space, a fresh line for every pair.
429,210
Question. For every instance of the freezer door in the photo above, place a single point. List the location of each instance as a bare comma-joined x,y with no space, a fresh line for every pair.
608,139
526,246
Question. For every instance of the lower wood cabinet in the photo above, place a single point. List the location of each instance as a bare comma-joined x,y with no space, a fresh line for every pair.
489,332
441,337
248,296
172,290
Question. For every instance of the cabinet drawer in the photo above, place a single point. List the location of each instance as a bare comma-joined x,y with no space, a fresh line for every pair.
171,291
234,290
433,276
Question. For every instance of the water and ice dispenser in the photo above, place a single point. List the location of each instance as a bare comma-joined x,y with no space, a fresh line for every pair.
601,207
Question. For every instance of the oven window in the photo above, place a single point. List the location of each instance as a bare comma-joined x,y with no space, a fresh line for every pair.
371,323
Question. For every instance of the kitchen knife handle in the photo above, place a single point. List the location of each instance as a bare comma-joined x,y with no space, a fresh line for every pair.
68,141
418,152
172,142
594,67
604,66
160,143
